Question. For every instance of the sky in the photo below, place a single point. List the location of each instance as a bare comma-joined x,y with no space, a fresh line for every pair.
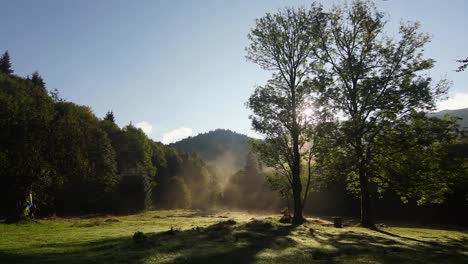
177,68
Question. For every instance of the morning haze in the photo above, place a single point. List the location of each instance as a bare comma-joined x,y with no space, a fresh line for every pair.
233,132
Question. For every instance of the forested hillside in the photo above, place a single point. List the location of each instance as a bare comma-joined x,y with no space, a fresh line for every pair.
61,157
223,147
461,113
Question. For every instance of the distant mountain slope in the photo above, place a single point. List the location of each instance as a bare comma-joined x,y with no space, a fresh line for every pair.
462,113
224,148
228,150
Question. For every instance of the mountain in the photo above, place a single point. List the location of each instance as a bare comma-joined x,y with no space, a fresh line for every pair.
223,148
462,113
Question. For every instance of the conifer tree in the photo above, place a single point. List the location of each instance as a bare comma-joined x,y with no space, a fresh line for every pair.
5,64
36,78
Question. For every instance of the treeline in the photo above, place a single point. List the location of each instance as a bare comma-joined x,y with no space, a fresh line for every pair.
71,162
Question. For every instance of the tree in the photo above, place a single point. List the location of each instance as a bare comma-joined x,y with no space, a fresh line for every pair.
375,80
252,173
84,159
282,43
179,194
110,116
37,79
5,64
134,165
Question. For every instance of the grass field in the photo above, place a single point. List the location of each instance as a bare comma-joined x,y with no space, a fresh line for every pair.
194,237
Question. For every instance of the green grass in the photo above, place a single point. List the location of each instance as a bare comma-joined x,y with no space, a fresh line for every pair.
197,238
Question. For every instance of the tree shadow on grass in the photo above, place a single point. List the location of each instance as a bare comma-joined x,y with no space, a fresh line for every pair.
228,242
219,243
223,242
385,247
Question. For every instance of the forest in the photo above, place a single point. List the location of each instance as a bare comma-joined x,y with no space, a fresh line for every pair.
349,129
71,162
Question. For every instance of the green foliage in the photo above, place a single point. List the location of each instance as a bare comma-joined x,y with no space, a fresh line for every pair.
414,160
180,195
84,157
71,162
26,113
134,165
134,191
110,116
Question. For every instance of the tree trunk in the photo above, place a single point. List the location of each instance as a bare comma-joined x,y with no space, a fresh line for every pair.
297,218
296,180
366,220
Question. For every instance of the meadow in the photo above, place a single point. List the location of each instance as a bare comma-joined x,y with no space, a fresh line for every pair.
182,236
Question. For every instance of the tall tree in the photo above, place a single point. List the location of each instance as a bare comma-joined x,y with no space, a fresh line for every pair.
375,81
138,174
282,43
5,64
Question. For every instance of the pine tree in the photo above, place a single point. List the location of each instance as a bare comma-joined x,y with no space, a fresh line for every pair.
37,79
5,64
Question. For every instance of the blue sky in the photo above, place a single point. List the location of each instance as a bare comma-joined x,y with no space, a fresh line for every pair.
178,68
